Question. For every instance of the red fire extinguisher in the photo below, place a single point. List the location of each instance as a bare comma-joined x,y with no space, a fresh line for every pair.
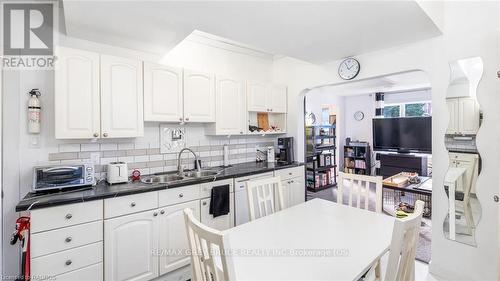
22,234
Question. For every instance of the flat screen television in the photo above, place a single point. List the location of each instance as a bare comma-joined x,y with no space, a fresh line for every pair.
404,135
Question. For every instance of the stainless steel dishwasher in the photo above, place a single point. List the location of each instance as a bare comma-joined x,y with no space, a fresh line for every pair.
241,199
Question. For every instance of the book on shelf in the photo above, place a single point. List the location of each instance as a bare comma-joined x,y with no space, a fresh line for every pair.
360,164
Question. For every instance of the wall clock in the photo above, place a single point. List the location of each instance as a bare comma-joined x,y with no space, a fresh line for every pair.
349,68
359,115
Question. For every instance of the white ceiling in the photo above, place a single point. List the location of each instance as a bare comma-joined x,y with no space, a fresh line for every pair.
317,32
401,82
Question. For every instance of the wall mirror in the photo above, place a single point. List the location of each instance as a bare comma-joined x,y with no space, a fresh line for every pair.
464,209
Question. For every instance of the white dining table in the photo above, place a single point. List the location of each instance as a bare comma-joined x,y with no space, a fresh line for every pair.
315,240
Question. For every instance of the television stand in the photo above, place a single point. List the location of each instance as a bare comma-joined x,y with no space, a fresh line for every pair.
395,163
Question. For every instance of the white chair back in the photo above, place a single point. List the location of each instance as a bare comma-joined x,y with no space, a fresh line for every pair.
405,234
208,261
359,186
261,194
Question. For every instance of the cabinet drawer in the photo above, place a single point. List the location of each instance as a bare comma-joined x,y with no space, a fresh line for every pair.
240,183
178,195
65,261
66,215
93,272
65,238
206,188
120,206
463,156
289,173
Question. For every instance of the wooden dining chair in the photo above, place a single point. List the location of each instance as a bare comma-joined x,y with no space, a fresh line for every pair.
402,251
208,261
359,186
262,190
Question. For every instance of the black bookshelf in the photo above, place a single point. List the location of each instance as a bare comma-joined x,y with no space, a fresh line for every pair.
321,166
357,158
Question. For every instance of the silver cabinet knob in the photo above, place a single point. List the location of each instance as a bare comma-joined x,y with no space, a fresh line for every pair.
68,216
180,119
496,198
69,262
291,181
187,119
96,135
162,212
181,195
204,203
155,214
105,135
132,204
68,239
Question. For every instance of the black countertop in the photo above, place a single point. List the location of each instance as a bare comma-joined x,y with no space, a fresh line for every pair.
104,190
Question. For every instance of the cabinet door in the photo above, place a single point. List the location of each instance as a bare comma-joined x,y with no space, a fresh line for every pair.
220,222
130,243
76,97
468,112
229,106
277,99
162,93
257,99
297,190
199,96
452,105
286,190
173,236
121,98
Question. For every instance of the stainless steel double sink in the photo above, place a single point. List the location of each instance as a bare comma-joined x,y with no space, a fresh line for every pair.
172,178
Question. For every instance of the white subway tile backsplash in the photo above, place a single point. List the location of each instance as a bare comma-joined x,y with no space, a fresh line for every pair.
125,146
89,147
69,147
109,146
107,160
155,157
126,159
143,158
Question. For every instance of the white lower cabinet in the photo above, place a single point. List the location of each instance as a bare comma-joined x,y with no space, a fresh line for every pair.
221,222
293,191
173,236
130,245
93,272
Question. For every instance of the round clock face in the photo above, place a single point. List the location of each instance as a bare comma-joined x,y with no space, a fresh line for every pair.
349,68
359,115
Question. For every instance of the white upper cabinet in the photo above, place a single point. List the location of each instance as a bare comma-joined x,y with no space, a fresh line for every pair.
266,97
257,99
230,107
77,112
469,116
278,99
464,116
199,96
163,94
452,105
121,97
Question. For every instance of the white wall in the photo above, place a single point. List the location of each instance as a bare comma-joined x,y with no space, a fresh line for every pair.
359,130
20,157
470,29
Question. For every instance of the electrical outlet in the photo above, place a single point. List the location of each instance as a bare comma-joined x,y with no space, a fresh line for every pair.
95,157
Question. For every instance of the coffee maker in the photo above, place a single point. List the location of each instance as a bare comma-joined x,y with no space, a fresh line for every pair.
285,150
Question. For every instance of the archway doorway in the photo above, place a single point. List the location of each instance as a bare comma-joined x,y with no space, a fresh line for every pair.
340,137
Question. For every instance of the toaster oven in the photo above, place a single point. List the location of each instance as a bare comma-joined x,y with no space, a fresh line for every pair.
63,176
